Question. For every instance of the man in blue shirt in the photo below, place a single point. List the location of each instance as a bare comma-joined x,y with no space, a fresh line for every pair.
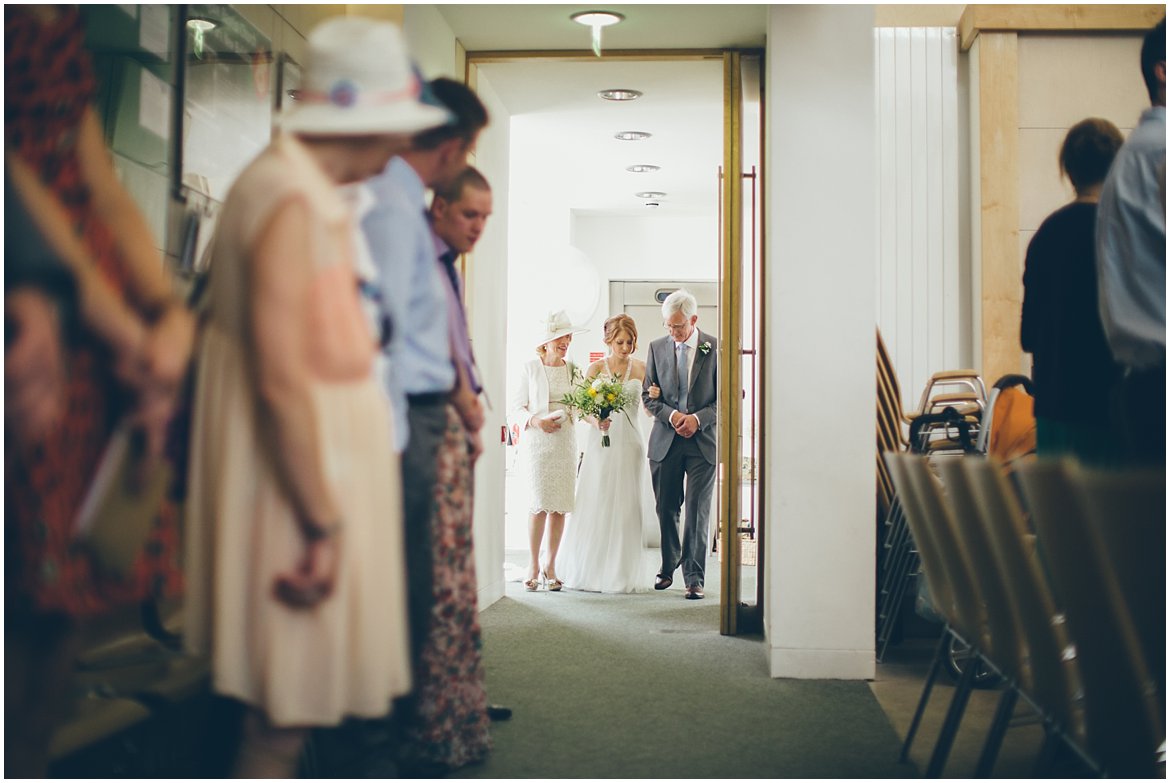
459,213
420,374
1131,266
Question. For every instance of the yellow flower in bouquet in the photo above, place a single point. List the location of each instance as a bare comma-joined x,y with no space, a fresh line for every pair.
598,397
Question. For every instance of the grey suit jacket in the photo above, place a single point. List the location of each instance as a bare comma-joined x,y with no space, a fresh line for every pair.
701,398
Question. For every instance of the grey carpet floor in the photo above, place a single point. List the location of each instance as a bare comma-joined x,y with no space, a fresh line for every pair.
615,686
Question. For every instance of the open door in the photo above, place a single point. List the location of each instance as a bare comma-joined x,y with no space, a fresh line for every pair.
741,426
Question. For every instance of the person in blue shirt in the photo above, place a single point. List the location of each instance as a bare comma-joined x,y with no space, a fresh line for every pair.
420,373
1131,266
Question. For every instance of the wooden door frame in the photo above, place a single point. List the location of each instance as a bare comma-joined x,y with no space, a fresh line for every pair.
734,618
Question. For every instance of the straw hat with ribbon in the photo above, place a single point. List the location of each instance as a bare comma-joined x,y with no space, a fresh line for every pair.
359,81
556,325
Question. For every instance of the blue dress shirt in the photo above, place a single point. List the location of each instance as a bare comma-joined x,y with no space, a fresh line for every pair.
1131,246
399,237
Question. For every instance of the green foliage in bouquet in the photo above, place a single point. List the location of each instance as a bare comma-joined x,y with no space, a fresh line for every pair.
599,398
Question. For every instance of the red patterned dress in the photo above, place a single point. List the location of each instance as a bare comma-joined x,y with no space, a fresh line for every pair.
450,726
48,86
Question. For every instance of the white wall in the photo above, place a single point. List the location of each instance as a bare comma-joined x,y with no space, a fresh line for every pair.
565,260
923,309
538,271
820,297
654,247
431,41
488,303
1108,82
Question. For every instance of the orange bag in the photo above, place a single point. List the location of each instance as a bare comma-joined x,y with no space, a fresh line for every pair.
1013,425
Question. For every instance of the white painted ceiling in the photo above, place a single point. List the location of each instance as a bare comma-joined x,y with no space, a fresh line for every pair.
502,27
562,123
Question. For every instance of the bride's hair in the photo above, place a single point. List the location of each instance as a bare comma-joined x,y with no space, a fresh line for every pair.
618,324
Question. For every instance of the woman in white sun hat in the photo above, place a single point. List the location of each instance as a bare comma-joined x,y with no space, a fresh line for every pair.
549,444
294,528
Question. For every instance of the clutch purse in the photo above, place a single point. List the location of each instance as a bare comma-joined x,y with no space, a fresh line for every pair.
122,502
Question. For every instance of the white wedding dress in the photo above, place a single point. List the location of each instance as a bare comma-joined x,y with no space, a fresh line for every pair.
602,549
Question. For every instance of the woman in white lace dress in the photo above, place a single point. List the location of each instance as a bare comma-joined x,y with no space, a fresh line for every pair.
602,549
548,445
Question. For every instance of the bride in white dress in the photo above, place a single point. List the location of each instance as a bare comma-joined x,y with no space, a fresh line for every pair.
603,550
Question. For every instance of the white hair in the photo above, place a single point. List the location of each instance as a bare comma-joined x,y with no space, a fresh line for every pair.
680,301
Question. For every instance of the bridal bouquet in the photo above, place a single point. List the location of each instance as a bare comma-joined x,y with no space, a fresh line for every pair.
599,397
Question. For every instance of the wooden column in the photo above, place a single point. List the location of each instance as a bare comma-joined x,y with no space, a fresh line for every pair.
999,204
729,424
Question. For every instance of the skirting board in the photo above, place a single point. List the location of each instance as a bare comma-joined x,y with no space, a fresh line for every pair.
489,594
822,664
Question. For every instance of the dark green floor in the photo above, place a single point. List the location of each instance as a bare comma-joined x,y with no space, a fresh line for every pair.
615,686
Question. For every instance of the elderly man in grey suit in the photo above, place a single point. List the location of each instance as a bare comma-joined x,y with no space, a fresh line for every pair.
682,442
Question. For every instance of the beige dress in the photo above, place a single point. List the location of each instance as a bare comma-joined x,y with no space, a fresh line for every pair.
349,655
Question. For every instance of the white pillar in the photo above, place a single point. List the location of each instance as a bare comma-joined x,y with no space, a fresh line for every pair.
487,286
821,249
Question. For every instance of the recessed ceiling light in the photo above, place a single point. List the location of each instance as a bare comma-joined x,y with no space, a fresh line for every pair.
643,168
619,94
631,135
650,194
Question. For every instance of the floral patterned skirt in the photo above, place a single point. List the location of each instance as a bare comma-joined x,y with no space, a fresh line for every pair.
450,724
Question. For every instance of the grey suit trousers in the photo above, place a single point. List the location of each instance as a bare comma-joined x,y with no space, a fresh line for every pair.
420,464
684,461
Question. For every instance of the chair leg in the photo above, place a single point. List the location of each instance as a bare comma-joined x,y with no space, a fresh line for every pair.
1048,752
893,610
925,697
946,737
999,727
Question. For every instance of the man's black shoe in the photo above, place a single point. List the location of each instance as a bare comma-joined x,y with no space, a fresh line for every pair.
497,713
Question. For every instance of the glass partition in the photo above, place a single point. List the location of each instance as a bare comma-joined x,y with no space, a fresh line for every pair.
228,98
134,51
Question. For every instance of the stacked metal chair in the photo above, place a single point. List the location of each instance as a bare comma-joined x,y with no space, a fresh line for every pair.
133,682
1072,617
947,421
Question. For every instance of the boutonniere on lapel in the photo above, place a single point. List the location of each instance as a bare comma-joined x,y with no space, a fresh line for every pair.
705,348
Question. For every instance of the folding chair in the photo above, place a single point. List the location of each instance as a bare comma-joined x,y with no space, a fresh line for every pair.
1048,674
952,580
1123,722
1128,512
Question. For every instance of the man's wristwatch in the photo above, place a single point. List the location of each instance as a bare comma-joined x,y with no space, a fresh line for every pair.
321,532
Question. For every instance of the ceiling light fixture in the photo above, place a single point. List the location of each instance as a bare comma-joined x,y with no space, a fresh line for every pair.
200,25
597,20
650,194
631,135
643,168
620,94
